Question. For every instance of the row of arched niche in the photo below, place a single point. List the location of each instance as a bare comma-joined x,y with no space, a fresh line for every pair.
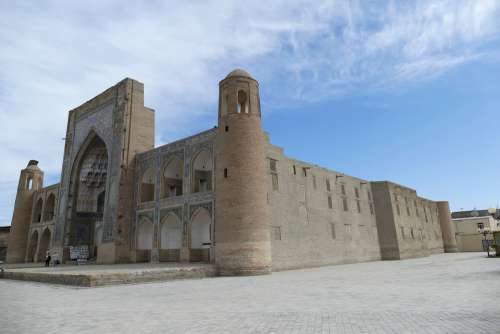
44,214
39,244
170,236
172,180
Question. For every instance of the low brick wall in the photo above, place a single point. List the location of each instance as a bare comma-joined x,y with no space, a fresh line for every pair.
110,278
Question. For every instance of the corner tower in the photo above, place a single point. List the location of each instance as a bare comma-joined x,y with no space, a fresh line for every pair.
30,180
242,237
447,227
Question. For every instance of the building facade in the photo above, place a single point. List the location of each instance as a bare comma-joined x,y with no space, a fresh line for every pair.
225,196
472,227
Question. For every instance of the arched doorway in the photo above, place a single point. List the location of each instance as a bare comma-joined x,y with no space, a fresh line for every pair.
201,178
172,178
145,234
200,236
89,179
170,238
32,247
44,245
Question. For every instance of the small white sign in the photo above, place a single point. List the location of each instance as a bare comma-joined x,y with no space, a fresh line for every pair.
79,252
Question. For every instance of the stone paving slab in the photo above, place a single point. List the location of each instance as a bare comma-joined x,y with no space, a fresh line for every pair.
445,293
99,275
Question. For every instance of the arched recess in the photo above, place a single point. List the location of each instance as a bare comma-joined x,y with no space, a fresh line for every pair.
145,235
44,244
201,177
200,236
172,178
48,212
242,102
170,238
37,214
88,182
29,183
32,247
147,188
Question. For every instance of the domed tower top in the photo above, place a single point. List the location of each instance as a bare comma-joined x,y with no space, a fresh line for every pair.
239,73
31,177
33,165
239,94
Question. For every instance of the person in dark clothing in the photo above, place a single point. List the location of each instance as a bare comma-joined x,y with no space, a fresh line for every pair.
47,259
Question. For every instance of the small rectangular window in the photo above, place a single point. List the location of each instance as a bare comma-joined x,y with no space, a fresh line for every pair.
362,230
328,188
314,182
332,228
294,170
276,232
344,204
358,204
369,195
330,204
272,165
304,171
225,172
275,181
342,189
356,192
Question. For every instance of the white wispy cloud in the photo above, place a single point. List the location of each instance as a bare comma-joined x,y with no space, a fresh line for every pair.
54,55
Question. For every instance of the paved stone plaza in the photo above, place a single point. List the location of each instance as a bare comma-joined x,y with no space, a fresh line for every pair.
446,293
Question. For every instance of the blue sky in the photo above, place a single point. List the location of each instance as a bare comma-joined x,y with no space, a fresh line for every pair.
383,90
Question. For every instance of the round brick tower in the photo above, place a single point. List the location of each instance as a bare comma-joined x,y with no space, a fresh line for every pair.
242,237
31,180
447,227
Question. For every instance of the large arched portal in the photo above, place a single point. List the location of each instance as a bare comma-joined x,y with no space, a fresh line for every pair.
200,236
170,238
89,195
32,247
44,245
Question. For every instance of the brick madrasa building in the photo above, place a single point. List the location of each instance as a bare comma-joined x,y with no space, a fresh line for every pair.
225,196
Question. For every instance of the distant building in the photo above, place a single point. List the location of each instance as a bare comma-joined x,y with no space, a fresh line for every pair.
226,196
4,239
471,225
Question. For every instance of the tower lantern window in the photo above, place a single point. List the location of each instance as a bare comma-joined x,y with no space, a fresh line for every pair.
242,102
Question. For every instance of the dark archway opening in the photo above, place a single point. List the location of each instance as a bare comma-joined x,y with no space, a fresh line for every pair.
89,198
